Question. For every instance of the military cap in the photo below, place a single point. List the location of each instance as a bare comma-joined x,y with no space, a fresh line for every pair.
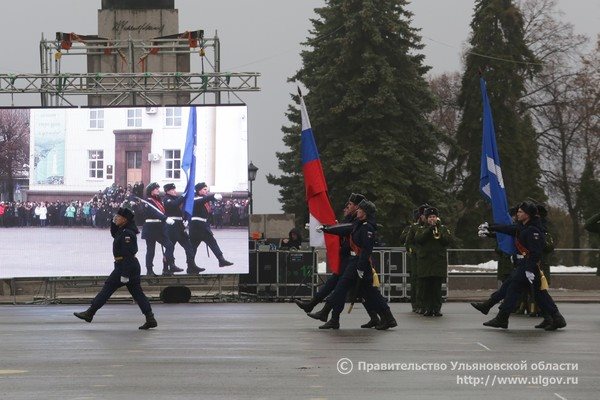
356,198
368,207
125,212
431,211
423,207
416,213
529,208
168,186
151,187
542,210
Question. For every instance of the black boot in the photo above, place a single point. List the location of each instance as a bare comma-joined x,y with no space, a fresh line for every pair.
224,263
499,321
167,272
545,323
387,321
483,307
86,315
373,322
150,271
558,321
333,323
150,322
307,306
174,268
323,314
193,269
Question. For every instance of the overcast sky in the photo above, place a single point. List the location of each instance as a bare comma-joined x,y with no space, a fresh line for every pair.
259,36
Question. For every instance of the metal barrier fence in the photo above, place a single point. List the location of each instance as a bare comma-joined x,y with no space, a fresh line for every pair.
293,274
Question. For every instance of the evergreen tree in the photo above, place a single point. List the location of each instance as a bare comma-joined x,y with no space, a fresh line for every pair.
367,101
497,49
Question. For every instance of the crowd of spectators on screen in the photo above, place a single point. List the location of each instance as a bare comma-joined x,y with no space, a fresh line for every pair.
99,210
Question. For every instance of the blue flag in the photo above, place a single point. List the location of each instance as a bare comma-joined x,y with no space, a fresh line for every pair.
188,164
491,183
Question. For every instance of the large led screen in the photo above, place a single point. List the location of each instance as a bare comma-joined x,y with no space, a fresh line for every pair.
83,163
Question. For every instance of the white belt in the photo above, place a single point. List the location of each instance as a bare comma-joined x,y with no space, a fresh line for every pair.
176,218
198,219
520,256
153,220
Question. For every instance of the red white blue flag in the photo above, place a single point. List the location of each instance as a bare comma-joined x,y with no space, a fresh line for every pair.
319,207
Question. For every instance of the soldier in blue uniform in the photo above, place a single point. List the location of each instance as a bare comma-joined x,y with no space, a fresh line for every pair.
154,231
359,272
332,280
530,245
126,272
200,227
176,232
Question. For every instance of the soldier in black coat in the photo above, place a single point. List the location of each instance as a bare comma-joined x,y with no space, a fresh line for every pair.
176,232
359,272
200,227
154,231
529,237
126,272
329,285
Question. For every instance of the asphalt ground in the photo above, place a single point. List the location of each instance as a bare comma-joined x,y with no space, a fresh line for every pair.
86,251
274,351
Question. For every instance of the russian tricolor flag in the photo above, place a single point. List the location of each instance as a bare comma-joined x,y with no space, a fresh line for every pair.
319,206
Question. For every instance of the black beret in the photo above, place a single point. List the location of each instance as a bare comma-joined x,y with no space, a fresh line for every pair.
431,211
125,212
200,186
151,187
368,207
168,186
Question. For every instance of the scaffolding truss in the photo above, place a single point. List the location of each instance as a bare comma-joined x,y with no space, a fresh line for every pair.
134,82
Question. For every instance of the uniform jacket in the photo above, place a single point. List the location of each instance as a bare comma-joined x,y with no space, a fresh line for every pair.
125,248
362,241
154,230
531,237
408,238
431,252
201,210
173,205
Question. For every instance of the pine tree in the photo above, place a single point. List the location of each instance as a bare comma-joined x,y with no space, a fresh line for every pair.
498,51
367,100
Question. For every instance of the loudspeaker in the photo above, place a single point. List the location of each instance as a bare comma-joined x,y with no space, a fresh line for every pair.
176,294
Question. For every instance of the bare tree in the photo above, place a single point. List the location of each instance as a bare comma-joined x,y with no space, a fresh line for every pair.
14,145
446,117
562,102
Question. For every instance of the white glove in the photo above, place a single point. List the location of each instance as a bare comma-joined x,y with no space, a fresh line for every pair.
319,228
124,279
185,223
530,276
484,227
169,221
483,233
218,197
360,274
